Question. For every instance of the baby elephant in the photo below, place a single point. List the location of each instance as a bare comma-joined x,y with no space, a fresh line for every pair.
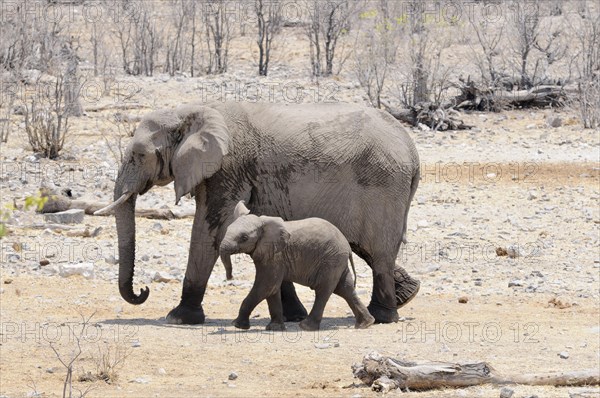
311,252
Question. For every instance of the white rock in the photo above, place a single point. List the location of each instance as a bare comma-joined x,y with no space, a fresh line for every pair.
163,277
72,216
506,392
161,371
422,224
140,380
84,269
563,355
111,260
532,195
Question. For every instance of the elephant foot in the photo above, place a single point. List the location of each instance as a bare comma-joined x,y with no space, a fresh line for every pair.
276,326
406,287
184,315
309,325
364,323
383,315
241,324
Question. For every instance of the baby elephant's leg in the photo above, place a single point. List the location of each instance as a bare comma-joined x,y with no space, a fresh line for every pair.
276,311
264,286
313,320
345,289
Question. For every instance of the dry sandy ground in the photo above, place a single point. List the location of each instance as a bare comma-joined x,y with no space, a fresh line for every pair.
510,182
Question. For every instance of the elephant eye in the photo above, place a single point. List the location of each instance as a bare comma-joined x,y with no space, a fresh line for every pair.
243,237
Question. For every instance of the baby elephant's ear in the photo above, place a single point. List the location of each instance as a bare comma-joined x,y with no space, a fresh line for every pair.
240,210
275,235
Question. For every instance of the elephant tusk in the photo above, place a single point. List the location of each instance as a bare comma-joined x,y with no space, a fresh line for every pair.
108,209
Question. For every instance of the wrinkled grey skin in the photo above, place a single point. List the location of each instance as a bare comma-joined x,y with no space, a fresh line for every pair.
311,252
355,167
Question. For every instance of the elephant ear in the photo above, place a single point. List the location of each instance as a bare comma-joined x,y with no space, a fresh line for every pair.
240,210
274,237
204,140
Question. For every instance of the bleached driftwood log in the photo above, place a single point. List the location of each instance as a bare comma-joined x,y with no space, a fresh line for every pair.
58,202
385,373
485,99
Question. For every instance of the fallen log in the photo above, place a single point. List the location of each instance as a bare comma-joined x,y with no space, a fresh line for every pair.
496,99
439,118
384,374
58,202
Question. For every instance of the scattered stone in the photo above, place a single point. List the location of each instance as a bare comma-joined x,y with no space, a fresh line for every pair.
463,300
164,231
72,216
112,260
157,226
554,121
513,251
136,344
84,269
322,346
44,262
515,283
422,224
506,392
8,281
85,233
140,380
501,252
556,303
532,195
163,277
145,257
232,376
161,371
530,126
563,355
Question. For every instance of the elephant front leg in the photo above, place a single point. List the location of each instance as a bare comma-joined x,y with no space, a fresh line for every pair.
202,258
276,312
293,310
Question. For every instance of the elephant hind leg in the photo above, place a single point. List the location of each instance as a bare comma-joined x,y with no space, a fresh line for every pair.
276,312
345,289
406,287
313,320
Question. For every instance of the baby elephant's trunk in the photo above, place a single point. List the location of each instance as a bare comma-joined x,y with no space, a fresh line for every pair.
226,260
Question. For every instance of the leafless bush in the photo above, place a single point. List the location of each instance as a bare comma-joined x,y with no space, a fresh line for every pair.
422,76
69,363
47,114
587,33
488,56
123,127
269,25
375,52
108,360
139,37
219,32
328,22
536,43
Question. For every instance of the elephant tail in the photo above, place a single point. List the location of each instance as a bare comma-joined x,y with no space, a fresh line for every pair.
353,269
414,183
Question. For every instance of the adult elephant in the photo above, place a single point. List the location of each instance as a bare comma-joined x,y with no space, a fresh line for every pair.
353,166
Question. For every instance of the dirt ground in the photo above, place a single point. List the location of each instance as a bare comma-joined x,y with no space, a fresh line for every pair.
506,184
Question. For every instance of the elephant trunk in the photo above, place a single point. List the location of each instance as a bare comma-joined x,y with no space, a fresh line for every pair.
125,219
226,260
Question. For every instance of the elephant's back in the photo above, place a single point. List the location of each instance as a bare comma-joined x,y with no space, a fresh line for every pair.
317,233
330,132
